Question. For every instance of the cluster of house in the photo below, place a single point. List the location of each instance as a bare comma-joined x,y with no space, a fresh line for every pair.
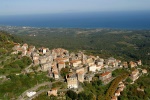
133,76
135,64
120,88
82,67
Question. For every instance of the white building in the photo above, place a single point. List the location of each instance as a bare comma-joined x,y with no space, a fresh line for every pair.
30,94
92,68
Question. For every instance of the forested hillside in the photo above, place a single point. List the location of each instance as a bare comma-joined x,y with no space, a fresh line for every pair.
122,44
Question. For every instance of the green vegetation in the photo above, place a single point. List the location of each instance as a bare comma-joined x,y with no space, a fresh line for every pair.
64,72
131,92
59,85
17,84
95,89
83,96
43,96
122,44
118,72
111,91
71,94
129,80
7,42
16,65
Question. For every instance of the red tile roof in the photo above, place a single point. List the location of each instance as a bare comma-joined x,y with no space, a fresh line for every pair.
80,72
104,74
61,62
74,61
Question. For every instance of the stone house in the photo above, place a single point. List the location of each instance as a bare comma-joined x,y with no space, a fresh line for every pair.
54,68
36,62
44,50
98,68
61,65
14,52
106,66
29,53
72,81
24,52
61,59
72,54
105,77
79,69
117,93
52,92
132,64
80,76
139,62
144,71
56,74
46,66
92,68
125,64
35,56
31,48
75,63
134,75
84,58
140,89
121,89
19,49
99,63
60,51
16,47
86,69
110,60
88,77
114,98
90,62
25,46
44,59
121,85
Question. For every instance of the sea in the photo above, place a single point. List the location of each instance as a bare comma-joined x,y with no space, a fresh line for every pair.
114,20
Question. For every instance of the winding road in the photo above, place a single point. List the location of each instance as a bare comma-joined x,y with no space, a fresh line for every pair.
22,96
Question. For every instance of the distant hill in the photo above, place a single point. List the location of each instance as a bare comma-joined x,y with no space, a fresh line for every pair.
123,44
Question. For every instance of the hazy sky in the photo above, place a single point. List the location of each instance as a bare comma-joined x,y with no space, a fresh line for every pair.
19,7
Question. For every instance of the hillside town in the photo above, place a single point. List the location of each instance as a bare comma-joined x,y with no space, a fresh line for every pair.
81,67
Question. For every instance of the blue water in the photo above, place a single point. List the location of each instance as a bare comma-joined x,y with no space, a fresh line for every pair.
120,20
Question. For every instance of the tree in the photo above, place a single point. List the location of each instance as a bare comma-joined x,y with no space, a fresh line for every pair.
101,97
82,96
64,72
26,60
91,96
71,94
52,97
19,53
128,80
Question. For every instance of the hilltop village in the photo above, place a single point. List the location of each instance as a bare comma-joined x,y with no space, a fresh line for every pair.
74,68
